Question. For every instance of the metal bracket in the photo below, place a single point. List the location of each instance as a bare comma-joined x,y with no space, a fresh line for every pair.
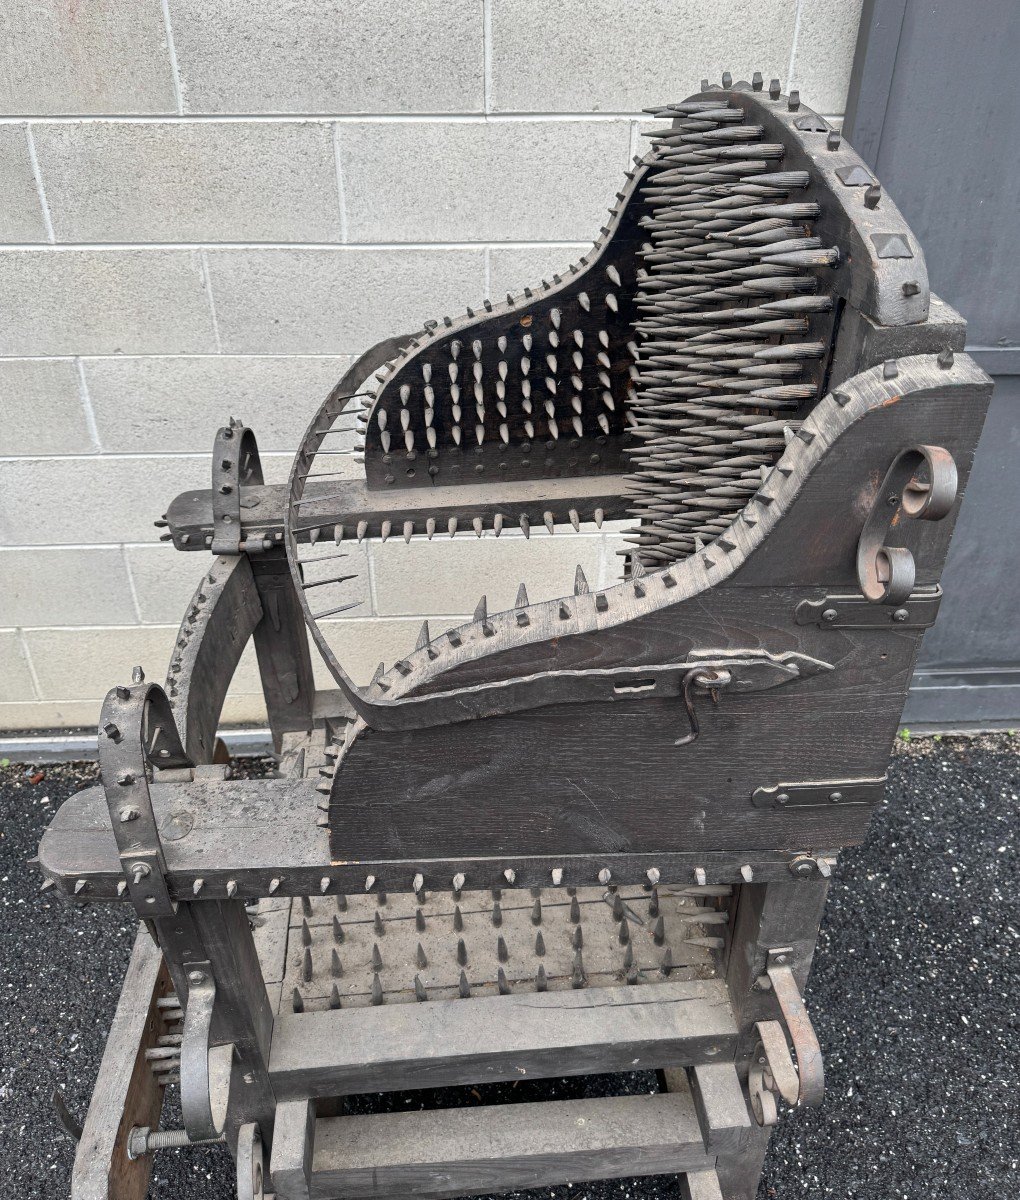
810,1071
824,794
236,464
205,1069
854,611
921,483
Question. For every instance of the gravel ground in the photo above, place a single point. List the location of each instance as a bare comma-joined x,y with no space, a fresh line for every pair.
915,996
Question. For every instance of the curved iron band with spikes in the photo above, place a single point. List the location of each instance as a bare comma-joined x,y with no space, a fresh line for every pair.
744,218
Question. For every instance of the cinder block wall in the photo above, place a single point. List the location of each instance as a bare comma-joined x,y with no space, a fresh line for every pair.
210,206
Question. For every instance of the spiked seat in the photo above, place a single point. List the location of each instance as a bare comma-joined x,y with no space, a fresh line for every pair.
590,832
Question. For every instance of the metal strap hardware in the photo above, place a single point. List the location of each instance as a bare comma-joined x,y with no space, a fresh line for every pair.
798,1025
236,464
825,794
921,483
205,1069
853,611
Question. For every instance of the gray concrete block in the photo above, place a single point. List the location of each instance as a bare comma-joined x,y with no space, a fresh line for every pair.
481,181
826,40
149,405
21,215
286,56
339,301
83,664
622,58
361,645
15,677
75,501
513,268
85,58
191,181
41,410
447,575
165,580
103,302
65,586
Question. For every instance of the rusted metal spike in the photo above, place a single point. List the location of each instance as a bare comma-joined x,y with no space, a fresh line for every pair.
419,990
377,962
306,934
334,997
539,944
624,932
536,912
297,1002
577,976
336,968
659,931
419,920
497,914
306,906
380,928
628,956
502,953
653,903
458,919
618,912
577,941
575,910
377,990
463,987
666,966
338,932
501,980
541,980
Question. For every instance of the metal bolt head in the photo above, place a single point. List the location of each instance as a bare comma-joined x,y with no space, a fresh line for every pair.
835,797
901,614
829,614
780,959
783,798
196,978
139,870
802,866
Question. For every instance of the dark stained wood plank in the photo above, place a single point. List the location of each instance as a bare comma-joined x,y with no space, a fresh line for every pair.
445,1042
293,1138
502,1147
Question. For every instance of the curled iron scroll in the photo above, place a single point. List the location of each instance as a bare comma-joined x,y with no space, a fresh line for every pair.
922,484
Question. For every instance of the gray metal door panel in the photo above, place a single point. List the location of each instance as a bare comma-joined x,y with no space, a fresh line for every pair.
934,107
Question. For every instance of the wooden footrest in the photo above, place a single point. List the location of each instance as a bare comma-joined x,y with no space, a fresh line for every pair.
449,1042
464,1151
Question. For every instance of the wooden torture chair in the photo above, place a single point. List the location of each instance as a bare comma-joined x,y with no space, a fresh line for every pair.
588,834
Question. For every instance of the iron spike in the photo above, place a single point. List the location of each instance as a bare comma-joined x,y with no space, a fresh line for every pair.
341,902
628,956
525,525
306,934
458,918
604,876
462,955
624,934
377,991
653,903
536,912
577,976
296,1002
618,912
458,884
501,979
497,914
659,931
377,962
541,980
430,527
419,920
338,931
380,927
369,882
419,990
463,987
577,939
575,910
747,873
666,966
334,997
557,876
539,944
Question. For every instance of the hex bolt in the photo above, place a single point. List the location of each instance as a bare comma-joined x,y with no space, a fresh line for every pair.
802,866
197,978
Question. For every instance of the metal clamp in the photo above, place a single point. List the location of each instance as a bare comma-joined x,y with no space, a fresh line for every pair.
922,484
236,464
205,1069
137,728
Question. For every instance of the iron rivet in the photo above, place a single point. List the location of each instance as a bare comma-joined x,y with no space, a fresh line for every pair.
835,797
782,798
196,977
900,614
829,614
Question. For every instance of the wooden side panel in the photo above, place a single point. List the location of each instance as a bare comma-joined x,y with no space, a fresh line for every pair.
126,1092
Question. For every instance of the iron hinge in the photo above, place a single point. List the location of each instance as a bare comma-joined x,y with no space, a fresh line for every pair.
853,611
824,794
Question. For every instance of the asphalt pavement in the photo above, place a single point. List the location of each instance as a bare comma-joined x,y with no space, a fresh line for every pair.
915,997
